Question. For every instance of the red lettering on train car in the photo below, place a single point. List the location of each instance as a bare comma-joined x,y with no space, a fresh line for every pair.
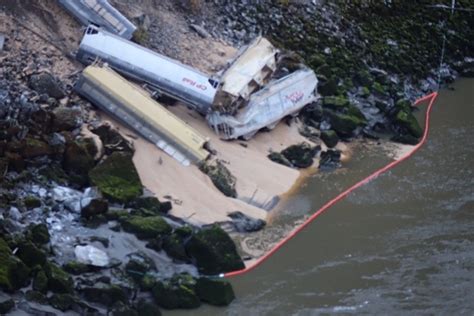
295,96
195,84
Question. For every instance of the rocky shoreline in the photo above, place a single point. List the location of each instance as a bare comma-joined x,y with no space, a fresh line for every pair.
68,181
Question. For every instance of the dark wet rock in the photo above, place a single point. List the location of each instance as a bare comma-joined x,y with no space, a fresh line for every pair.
117,178
112,139
343,124
31,202
66,119
123,310
30,254
174,244
35,148
165,207
59,281
15,162
40,282
147,227
14,274
78,162
300,155
245,224
279,158
77,268
147,282
215,291
312,113
94,207
47,83
330,159
138,265
6,306
177,292
221,177
145,308
408,123
107,295
336,102
37,297
405,139
39,234
149,203
63,302
214,251
330,138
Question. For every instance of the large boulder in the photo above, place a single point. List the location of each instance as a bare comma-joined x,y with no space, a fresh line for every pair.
14,274
47,83
39,234
6,306
343,124
221,177
59,281
174,244
145,308
215,291
300,155
146,227
246,224
330,159
117,178
78,162
279,158
407,122
139,265
107,295
214,251
177,292
30,254
94,207
330,138
66,119
112,139
35,148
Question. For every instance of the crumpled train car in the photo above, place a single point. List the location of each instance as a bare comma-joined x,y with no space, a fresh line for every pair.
245,74
133,106
169,76
266,107
100,13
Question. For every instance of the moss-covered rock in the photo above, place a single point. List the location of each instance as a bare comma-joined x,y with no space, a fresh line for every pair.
177,292
330,138
31,202
149,203
408,122
63,302
14,274
107,295
336,102
279,158
214,251
65,119
300,155
117,178
40,282
76,268
215,291
30,254
146,227
145,308
343,124
138,266
123,310
37,297
39,234
35,148
174,244
6,306
59,281
221,177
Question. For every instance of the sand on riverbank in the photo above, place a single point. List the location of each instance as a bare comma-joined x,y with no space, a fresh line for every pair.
194,196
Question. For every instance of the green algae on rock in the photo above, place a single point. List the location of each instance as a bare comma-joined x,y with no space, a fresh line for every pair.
117,178
146,227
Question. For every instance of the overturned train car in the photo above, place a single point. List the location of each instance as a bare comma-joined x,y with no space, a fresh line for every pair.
100,13
266,107
168,76
133,106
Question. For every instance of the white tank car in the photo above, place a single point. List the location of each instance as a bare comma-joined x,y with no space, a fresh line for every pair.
100,13
266,107
169,76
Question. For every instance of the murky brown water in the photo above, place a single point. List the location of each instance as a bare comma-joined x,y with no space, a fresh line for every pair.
403,244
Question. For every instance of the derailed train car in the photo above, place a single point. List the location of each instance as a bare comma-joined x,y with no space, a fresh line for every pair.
246,73
169,76
133,106
100,13
266,107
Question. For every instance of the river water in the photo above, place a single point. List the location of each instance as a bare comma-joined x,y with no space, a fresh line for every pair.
402,244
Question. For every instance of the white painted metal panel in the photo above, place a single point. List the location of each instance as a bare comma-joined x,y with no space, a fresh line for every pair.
268,106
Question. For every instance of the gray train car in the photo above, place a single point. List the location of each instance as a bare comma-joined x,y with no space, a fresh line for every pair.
168,76
266,107
100,13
